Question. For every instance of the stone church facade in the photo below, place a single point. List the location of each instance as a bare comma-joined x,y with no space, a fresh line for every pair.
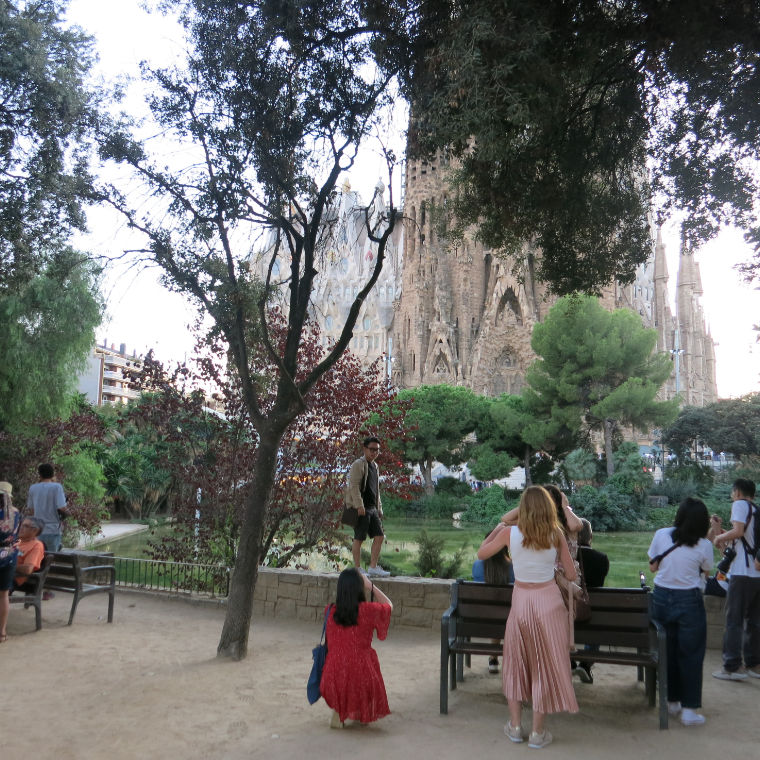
465,316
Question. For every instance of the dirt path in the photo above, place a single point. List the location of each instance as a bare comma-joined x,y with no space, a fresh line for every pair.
149,686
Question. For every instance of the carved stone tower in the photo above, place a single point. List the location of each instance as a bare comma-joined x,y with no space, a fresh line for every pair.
463,318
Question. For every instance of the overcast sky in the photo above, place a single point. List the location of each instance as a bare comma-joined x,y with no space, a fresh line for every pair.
144,315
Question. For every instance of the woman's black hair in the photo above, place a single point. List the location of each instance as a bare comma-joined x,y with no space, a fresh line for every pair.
497,569
349,596
692,522
556,495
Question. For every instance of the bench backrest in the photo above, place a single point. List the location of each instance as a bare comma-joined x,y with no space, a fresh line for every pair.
481,609
620,616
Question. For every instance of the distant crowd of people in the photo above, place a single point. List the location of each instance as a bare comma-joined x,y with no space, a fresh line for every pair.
531,542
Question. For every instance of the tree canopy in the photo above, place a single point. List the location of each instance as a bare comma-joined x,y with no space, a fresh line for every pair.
597,371
48,328
46,115
49,300
571,119
440,418
730,425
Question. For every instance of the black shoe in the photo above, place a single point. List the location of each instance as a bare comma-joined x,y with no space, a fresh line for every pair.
584,672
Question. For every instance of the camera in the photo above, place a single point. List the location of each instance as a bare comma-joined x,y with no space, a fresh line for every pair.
728,557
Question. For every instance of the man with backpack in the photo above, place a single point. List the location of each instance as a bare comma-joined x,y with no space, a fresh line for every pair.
363,494
741,639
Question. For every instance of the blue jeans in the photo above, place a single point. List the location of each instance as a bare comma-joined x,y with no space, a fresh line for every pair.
682,613
52,541
742,634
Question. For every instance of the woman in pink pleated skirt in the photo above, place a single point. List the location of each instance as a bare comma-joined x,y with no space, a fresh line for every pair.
536,668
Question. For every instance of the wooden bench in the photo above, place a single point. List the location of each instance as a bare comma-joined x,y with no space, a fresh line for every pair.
31,596
620,625
69,573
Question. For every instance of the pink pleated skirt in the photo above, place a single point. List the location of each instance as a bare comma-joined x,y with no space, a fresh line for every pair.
536,665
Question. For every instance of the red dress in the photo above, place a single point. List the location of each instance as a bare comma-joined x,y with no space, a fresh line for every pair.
351,680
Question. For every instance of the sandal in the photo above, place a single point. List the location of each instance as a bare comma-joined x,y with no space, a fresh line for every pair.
3,637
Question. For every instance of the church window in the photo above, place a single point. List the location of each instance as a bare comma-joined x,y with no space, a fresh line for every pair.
367,323
328,322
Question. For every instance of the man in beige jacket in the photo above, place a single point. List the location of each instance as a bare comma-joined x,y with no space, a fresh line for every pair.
364,495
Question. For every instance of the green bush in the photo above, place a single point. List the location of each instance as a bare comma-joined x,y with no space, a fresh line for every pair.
453,486
607,509
702,476
431,562
434,507
487,506
675,489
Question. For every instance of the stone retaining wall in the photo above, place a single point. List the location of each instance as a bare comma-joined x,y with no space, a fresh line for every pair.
417,602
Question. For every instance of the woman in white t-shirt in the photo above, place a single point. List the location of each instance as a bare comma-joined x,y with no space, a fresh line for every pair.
536,667
679,555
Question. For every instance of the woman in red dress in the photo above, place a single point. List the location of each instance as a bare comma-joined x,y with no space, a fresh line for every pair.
352,684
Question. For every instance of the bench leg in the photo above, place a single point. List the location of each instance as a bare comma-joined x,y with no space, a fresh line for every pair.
662,682
650,685
38,615
74,607
460,668
452,671
444,697
111,595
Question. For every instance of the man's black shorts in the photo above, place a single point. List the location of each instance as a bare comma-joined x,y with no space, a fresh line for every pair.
368,524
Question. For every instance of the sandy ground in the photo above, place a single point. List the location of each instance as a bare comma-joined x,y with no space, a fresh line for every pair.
149,686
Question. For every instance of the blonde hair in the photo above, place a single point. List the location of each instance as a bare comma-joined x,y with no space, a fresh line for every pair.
537,519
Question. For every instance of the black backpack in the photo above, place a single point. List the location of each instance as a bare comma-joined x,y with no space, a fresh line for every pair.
753,519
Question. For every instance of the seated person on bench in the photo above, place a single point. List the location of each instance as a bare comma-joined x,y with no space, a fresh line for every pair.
30,551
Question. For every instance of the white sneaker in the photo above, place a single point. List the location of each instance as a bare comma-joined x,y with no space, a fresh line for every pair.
674,708
754,672
539,741
514,733
690,717
730,675
378,572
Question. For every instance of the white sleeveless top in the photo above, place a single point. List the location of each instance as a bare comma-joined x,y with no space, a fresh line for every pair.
531,565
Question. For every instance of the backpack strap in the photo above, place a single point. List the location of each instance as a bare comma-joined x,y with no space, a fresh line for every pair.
749,550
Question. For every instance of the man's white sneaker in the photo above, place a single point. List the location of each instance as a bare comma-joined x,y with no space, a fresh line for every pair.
674,708
754,672
730,675
378,572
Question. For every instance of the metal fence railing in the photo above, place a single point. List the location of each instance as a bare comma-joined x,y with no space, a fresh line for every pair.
177,577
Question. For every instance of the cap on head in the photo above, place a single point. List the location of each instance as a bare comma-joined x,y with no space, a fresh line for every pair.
6,488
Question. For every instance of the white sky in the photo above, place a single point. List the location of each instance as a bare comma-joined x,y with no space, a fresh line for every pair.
144,315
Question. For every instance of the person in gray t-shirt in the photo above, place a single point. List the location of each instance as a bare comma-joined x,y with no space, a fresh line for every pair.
47,501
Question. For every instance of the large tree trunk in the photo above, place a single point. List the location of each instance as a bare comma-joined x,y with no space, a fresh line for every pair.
609,429
427,476
237,622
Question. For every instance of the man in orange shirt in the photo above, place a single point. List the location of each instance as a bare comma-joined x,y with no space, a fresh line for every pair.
30,549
